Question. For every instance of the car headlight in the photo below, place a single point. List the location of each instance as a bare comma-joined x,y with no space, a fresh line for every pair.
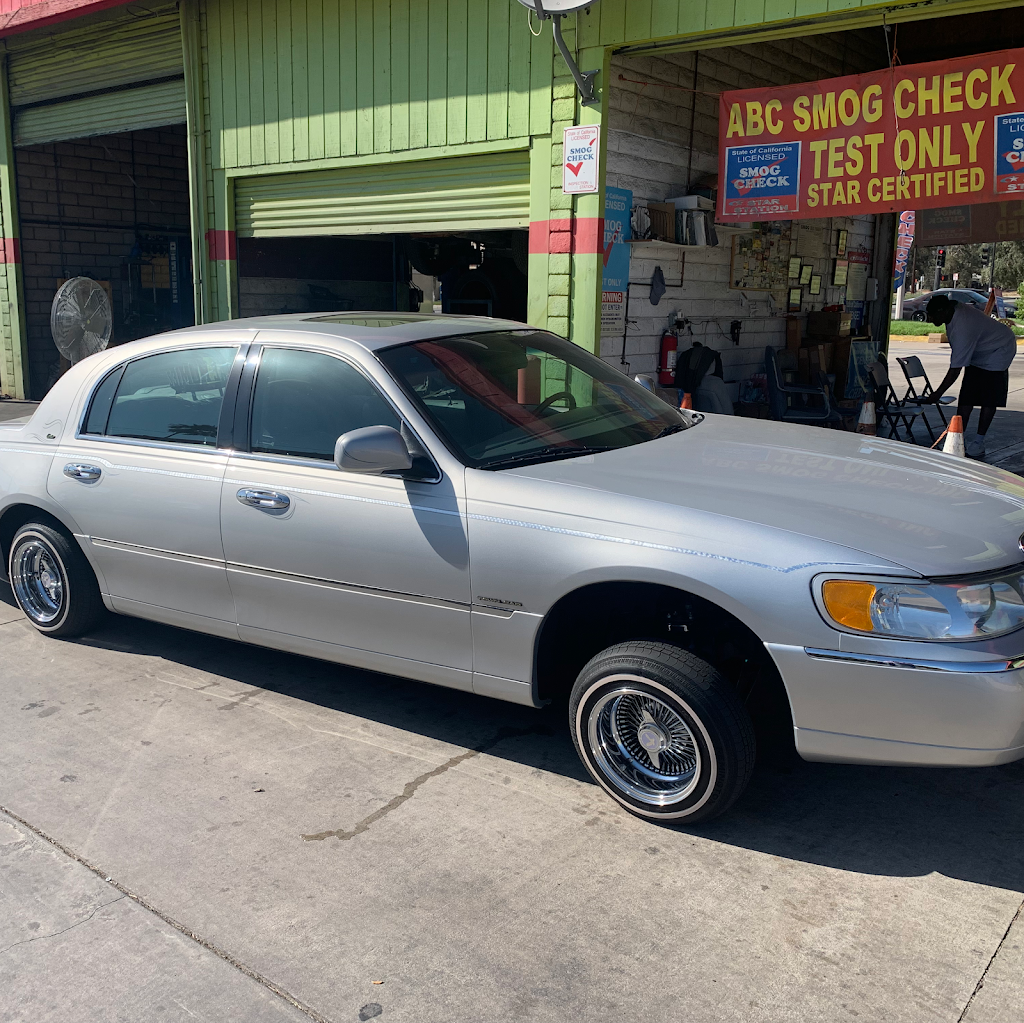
960,609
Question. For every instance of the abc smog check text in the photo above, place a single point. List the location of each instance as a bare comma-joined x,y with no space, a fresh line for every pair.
918,136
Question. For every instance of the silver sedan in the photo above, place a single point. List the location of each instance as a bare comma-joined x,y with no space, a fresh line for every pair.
480,504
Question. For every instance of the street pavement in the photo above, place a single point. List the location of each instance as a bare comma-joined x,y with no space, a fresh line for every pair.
192,828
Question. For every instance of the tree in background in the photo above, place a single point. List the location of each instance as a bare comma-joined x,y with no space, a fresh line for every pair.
968,262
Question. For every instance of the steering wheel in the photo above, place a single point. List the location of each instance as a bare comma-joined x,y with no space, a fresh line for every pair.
548,402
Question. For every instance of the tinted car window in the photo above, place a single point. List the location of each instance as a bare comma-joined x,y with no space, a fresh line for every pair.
515,397
102,400
174,396
304,401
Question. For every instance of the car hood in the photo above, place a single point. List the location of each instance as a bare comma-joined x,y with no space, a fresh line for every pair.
931,513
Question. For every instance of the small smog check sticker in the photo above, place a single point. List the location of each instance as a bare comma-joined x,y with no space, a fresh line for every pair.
762,181
1010,153
579,159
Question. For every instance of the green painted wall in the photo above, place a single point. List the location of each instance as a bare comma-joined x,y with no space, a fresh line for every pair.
298,80
300,84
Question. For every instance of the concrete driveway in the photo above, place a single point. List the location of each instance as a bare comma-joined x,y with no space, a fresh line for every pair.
196,829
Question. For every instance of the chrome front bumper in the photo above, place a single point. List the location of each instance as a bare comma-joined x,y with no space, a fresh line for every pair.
897,704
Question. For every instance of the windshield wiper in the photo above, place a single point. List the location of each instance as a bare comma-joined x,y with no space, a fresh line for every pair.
674,428
542,455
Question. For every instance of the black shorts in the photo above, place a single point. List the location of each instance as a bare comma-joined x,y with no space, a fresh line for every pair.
984,387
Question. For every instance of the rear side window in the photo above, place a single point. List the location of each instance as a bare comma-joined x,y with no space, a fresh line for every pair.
304,401
174,396
102,400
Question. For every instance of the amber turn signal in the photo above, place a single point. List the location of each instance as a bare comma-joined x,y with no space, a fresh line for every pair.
848,602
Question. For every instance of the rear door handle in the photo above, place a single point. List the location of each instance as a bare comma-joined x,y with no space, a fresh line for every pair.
85,473
269,500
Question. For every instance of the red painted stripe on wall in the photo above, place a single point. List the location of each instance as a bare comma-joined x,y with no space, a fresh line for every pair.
222,244
22,15
582,235
10,250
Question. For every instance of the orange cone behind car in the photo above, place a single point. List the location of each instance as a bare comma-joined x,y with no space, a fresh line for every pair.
955,437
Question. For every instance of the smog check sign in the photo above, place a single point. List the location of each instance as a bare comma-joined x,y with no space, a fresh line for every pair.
579,159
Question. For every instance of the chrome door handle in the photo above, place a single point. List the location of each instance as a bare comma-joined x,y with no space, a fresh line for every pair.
269,500
85,473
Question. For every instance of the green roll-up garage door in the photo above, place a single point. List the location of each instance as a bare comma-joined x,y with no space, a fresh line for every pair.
117,74
466,193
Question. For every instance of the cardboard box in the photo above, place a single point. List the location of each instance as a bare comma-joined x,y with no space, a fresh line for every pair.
792,334
691,202
829,323
663,221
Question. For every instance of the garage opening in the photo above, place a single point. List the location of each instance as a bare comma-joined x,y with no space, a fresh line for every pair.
448,234
479,273
101,170
810,289
729,288
114,208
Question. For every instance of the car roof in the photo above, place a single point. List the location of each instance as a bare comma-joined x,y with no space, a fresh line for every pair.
371,329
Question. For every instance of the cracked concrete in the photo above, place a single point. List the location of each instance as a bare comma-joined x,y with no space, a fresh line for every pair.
490,880
86,955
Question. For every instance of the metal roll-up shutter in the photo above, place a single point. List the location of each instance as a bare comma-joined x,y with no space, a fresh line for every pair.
115,74
466,193
148,106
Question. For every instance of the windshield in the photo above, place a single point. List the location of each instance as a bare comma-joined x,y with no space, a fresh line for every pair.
516,397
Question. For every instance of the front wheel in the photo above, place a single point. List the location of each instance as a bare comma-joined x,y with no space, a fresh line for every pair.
917,317
662,732
53,582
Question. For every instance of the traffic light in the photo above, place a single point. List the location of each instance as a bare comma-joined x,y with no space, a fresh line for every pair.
985,254
940,257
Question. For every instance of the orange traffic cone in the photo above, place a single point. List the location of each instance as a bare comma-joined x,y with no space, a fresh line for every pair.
867,423
955,437
687,401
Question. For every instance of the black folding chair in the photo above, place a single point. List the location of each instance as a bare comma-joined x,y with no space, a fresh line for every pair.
888,406
913,370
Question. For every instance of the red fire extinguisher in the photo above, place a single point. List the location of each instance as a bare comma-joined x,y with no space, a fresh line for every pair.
667,359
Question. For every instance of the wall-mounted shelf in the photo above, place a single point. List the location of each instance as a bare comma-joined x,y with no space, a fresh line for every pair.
658,241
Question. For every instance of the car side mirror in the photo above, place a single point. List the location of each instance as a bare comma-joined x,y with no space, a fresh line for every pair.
373,449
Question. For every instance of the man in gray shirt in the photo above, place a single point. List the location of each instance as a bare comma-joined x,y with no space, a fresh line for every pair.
985,348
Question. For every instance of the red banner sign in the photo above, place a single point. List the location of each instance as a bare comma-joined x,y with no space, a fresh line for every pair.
914,137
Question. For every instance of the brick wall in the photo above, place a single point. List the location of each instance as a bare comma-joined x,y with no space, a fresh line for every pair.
82,204
654,113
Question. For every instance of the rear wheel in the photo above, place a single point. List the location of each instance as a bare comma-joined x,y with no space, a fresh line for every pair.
53,582
918,317
661,731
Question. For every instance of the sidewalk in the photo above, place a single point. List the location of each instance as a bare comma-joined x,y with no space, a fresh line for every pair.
16,409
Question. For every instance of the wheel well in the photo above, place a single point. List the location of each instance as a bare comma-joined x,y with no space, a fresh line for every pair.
14,518
588,620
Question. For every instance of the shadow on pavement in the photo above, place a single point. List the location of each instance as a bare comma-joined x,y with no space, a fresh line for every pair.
964,824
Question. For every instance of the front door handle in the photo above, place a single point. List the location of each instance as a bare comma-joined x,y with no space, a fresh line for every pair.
85,473
269,500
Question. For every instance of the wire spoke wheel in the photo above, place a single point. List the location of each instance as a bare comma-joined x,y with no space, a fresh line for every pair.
643,745
38,581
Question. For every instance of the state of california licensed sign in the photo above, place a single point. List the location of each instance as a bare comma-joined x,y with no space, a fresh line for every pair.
579,159
919,136
763,182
